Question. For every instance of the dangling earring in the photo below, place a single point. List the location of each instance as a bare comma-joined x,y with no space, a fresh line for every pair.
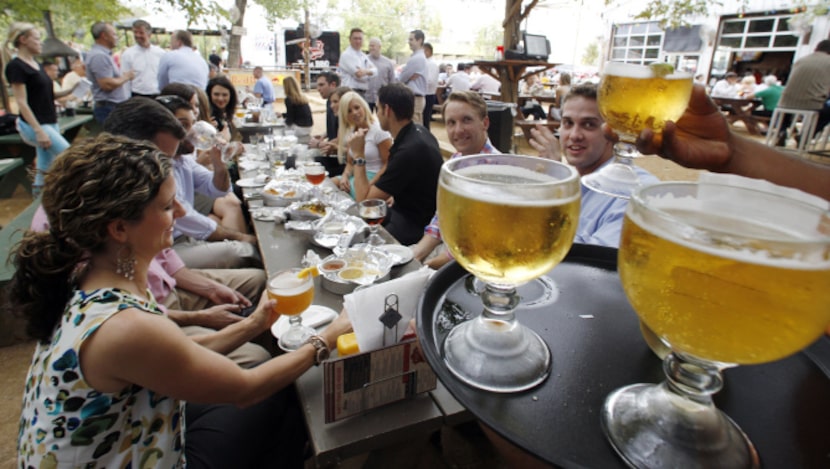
125,264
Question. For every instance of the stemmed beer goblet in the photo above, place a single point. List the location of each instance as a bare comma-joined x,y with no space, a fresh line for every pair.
632,98
725,276
294,295
507,219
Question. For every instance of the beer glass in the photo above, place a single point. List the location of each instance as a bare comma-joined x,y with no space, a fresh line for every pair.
315,174
726,276
632,98
507,219
373,211
294,295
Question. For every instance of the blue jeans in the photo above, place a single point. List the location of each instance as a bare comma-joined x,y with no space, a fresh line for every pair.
45,156
101,111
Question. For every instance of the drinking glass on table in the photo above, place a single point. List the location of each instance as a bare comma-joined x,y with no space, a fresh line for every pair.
315,173
294,291
726,276
373,211
632,98
507,219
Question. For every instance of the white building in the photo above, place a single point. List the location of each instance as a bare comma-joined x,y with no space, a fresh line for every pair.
759,40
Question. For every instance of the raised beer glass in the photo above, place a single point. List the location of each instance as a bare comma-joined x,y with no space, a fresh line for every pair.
632,98
507,219
373,212
294,295
727,276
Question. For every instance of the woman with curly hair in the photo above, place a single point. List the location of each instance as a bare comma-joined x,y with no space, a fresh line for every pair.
111,372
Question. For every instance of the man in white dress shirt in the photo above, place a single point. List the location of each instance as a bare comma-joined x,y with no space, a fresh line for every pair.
355,67
143,58
432,85
414,74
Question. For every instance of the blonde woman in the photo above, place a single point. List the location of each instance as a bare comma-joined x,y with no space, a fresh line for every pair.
34,93
555,110
354,115
297,111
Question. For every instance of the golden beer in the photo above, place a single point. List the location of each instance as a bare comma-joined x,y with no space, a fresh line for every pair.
632,98
294,295
722,303
502,237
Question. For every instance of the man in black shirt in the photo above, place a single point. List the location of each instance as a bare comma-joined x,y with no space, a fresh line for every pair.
411,175
327,82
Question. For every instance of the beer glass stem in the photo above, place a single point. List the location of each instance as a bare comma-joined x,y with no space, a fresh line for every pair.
499,302
691,378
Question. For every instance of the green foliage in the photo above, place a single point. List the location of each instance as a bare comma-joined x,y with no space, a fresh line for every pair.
675,13
68,16
591,54
391,21
487,39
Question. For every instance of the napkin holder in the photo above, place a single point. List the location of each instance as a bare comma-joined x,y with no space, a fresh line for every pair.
357,383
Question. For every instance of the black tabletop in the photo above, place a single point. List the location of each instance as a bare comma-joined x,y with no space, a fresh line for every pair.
784,407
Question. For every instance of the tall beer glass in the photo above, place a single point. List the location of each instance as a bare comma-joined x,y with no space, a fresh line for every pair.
632,98
294,295
726,276
507,219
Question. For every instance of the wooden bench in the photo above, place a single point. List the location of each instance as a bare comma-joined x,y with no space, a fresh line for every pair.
11,234
527,124
12,326
12,174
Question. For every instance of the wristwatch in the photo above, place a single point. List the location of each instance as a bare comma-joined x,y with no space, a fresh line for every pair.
322,351
359,162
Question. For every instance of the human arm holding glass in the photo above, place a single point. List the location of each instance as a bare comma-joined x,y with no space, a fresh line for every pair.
702,139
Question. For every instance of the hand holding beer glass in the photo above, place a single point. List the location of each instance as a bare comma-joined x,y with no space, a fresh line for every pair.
294,295
507,219
726,276
632,98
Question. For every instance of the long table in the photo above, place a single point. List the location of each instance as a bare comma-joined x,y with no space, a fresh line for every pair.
403,423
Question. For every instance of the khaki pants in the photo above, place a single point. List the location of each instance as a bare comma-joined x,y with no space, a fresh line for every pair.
420,103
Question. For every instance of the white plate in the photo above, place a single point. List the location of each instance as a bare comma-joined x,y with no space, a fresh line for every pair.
250,182
400,254
264,214
315,316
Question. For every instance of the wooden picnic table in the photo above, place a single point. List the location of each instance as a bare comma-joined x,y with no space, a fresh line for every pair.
740,109
407,423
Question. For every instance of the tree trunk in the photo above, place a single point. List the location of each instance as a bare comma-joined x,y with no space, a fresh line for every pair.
235,46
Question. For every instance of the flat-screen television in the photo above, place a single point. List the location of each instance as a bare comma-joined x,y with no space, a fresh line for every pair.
537,47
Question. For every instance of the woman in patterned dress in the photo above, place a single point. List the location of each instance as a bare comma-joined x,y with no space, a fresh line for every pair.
110,372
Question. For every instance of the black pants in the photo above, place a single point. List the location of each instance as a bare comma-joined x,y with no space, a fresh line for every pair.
430,101
268,434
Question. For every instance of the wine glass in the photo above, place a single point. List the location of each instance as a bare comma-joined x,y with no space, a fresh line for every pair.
204,136
726,276
632,98
373,211
507,219
315,174
294,295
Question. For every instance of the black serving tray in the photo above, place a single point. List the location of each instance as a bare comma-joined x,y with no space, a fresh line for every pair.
594,335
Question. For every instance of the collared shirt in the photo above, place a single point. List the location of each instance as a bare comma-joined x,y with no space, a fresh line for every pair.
385,74
264,87
350,60
724,89
99,64
183,65
414,73
160,274
432,76
601,216
145,62
432,229
191,177
486,84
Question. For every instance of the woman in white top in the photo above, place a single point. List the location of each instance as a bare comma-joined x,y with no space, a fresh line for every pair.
354,114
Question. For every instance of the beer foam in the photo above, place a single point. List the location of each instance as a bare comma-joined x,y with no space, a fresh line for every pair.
288,284
733,234
506,179
622,69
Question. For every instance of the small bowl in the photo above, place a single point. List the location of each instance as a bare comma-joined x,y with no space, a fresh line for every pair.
277,197
332,266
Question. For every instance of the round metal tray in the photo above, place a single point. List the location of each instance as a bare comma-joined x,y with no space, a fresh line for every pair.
597,347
